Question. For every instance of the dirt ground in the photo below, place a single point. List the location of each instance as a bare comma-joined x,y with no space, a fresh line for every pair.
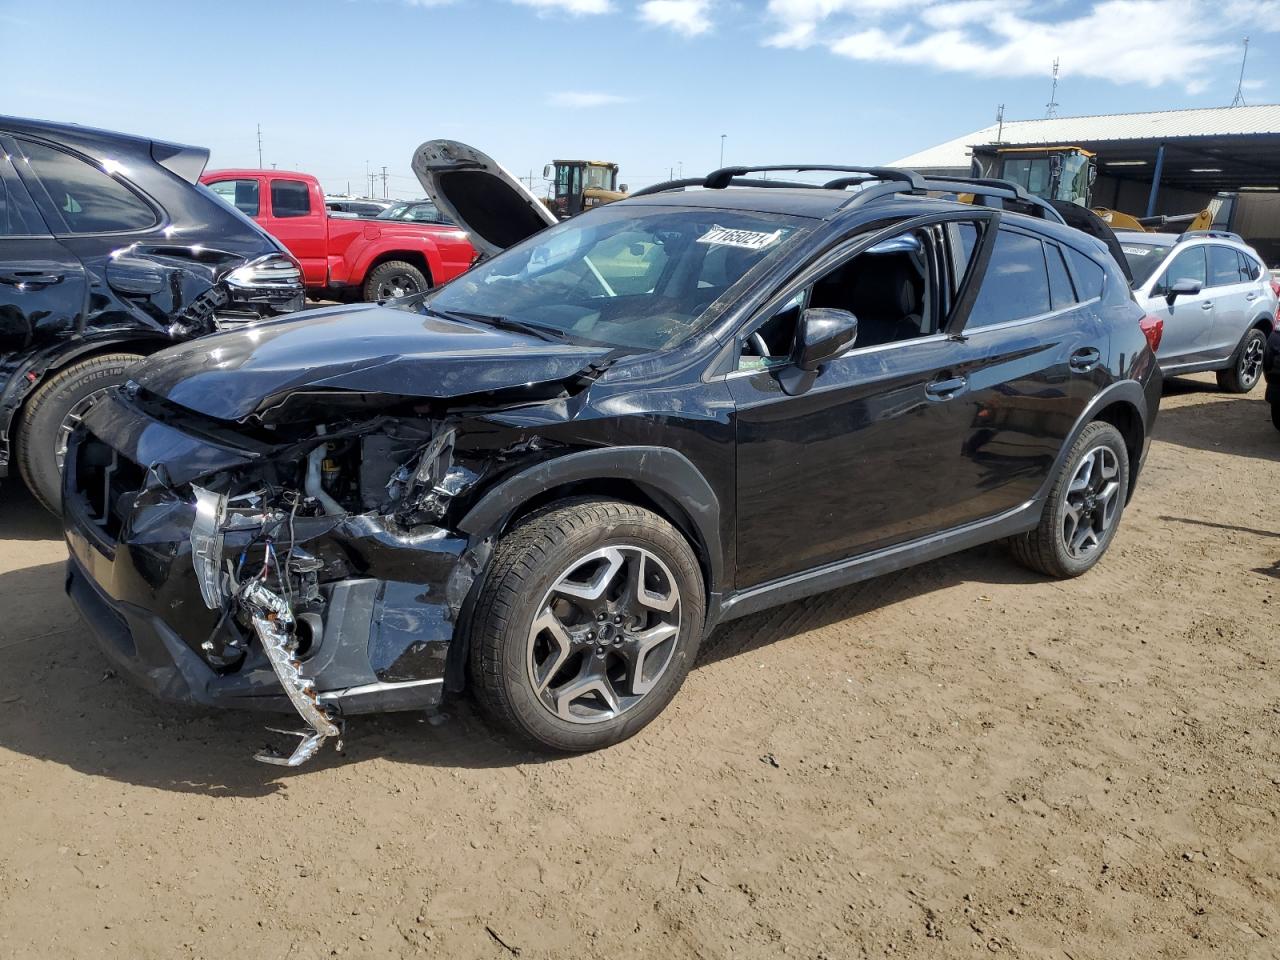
957,760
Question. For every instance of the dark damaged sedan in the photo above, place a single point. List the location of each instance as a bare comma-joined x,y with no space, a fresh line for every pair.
547,481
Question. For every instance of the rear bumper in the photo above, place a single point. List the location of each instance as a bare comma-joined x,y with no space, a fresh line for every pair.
376,641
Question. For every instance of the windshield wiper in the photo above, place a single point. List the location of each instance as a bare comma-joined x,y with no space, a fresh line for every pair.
503,323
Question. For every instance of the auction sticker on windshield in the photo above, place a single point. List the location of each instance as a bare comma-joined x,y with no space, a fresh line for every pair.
745,239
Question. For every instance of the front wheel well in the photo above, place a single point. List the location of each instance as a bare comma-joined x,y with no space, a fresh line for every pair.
1124,416
628,491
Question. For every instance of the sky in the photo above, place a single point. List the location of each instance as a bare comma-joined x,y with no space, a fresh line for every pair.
341,86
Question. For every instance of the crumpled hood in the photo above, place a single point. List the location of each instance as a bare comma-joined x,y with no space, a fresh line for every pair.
366,348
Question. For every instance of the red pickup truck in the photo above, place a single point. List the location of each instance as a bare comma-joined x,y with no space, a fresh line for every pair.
342,257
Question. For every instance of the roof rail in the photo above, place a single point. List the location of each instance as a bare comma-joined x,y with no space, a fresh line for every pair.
669,185
1215,234
889,180
719,179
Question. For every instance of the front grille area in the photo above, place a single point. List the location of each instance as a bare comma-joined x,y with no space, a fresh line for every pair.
108,483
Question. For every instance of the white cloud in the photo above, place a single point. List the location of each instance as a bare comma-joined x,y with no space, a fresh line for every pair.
1151,42
689,17
428,3
576,8
575,99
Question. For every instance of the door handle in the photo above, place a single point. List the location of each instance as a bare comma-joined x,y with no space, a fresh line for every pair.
945,389
1207,305
1251,296
1084,360
33,277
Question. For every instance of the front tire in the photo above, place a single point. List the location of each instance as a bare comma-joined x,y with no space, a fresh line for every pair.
1084,508
53,411
586,625
1246,366
393,279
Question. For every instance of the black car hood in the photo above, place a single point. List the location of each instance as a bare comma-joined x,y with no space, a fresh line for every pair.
366,348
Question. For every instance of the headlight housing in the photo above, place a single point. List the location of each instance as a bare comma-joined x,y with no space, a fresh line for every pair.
206,545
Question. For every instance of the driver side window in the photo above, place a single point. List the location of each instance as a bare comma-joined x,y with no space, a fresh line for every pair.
1187,265
889,287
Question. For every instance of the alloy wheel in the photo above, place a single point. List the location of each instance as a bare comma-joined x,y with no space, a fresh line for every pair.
1092,503
397,285
604,634
1251,362
70,422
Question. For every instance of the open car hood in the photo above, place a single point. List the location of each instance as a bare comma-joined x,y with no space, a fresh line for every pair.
495,208
365,349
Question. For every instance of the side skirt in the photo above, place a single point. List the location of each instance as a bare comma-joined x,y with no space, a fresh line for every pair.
844,572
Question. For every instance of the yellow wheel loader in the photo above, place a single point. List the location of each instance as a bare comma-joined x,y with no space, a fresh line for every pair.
1066,174
578,185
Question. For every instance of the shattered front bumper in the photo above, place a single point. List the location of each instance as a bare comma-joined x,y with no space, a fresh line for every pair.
377,641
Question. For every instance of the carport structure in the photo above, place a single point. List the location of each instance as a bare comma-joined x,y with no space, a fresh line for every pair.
1171,162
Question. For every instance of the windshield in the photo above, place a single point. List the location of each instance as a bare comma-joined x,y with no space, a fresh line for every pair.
1144,259
621,276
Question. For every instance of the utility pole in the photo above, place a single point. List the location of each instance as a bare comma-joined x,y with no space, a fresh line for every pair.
999,122
1051,108
259,146
723,136
384,182
1238,100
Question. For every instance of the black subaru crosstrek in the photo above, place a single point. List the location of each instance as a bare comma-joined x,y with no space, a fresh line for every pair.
110,250
549,479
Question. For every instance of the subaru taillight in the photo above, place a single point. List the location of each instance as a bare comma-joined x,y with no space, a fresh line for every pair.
1275,321
1153,329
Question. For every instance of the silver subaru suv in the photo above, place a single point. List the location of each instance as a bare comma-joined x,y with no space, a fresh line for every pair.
1213,293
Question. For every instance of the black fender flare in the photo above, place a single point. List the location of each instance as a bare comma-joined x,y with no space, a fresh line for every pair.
661,470
1123,391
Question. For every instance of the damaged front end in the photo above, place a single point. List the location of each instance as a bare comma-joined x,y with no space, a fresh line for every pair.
317,561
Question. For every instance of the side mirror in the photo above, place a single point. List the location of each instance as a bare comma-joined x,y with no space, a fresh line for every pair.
546,172
1183,288
823,334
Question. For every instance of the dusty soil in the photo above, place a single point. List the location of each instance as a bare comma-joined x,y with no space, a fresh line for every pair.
957,760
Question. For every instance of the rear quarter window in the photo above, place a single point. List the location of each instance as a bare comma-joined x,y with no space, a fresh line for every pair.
87,198
1090,277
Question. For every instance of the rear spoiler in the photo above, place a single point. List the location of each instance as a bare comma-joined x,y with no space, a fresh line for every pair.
187,162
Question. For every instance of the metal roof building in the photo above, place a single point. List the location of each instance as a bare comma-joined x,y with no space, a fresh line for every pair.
1171,161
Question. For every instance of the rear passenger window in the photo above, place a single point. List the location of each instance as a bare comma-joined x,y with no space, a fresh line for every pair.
88,199
1089,276
1016,285
1224,266
290,198
1060,290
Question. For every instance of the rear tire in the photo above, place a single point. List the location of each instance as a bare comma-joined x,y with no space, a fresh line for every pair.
52,411
1246,364
564,652
1084,507
395,278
